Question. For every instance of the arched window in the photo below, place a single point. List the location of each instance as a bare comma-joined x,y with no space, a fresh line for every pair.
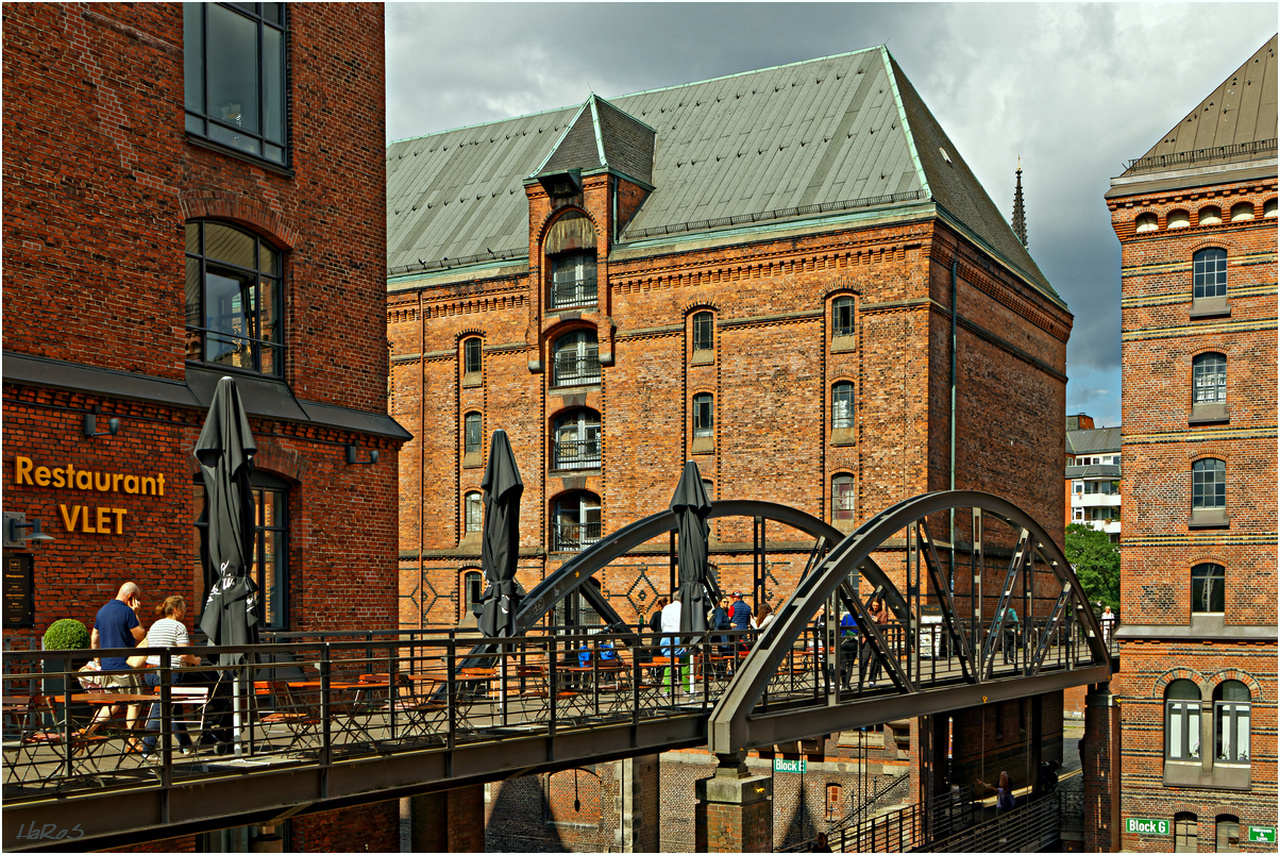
471,433
841,316
1241,211
1231,703
236,83
233,299
1228,833
270,549
575,522
1210,215
704,418
703,334
473,512
1179,219
1147,223
1182,721
842,500
472,583
1209,274
471,358
576,359
1208,589
835,803
1186,837
842,406
1269,208
1209,378
576,440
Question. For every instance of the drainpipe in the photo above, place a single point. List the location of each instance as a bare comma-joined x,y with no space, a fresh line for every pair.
951,582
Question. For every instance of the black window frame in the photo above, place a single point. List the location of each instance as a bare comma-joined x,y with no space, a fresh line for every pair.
472,355
1209,484
259,284
575,521
231,132
843,498
1209,274
704,336
470,592
1208,588
842,317
575,359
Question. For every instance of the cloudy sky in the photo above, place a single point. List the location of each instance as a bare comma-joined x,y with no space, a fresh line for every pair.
1074,90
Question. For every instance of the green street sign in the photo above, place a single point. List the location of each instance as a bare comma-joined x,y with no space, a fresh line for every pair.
1262,834
780,765
1138,825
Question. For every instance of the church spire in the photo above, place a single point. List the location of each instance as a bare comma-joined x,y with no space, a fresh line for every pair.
1019,216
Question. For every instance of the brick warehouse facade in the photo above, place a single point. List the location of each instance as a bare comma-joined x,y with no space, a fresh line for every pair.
756,273
273,219
1196,219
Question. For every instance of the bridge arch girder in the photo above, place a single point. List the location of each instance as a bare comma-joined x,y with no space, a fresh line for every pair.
730,727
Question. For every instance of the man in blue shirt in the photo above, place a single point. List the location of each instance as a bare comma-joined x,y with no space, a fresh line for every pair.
848,648
739,612
117,625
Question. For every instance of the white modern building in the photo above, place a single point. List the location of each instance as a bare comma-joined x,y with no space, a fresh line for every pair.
1093,475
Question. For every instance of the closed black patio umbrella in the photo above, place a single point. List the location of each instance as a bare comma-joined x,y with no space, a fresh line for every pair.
225,452
691,506
500,542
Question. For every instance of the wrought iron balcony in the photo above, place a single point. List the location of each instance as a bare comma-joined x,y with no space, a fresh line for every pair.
574,369
576,454
580,292
573,537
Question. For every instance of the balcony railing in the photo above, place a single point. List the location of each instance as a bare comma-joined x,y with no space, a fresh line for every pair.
573,369
580,292
573,537
576,454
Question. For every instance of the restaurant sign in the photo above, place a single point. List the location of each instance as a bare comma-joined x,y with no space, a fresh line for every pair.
83,518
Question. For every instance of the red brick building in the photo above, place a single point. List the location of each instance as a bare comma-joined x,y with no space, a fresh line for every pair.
757,273
762,273
191,191
1196,219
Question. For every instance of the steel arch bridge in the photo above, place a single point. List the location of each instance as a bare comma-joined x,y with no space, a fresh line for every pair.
1056,640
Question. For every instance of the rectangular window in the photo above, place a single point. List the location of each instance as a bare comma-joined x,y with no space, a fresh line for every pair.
1183,730
703,332
1209,274
703,416
573,279
842,316
1208,586
234,76
473,434
471,356
1231,724
1209,484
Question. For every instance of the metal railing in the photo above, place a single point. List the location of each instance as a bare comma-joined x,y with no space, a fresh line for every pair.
576,454
580,292
574,537
573,369
1201,155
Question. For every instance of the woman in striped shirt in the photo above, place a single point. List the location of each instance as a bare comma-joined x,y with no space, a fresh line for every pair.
168,631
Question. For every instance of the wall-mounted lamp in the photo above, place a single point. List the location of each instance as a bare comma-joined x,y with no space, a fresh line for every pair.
14,526
91,426
351,455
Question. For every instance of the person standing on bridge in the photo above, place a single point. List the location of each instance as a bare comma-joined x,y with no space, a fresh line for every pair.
671,647
1003,791
740,619
1010,646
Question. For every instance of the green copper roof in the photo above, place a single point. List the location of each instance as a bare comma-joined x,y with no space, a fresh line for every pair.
802,141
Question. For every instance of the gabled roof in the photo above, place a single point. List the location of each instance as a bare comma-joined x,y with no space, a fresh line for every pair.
1096,441
801,142
1228,124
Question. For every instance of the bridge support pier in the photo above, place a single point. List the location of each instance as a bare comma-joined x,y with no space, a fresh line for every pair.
735,809
1100,765
639,798
448,821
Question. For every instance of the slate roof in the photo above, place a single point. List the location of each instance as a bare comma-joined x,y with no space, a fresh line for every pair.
781,145
1231,124
1096,441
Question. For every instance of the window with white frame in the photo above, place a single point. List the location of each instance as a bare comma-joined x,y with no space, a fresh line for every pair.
576,359
842,406
473,510
1209,378
576,442
842,499
575,522
573,279
1231,704
1182,720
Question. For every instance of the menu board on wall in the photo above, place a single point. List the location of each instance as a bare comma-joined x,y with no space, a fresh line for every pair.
19,596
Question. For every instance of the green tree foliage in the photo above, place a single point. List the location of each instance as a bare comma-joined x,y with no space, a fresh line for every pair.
1096,561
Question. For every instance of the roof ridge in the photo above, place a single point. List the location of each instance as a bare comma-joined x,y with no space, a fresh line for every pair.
889,66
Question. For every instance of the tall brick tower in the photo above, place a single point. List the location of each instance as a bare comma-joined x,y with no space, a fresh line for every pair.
1196,219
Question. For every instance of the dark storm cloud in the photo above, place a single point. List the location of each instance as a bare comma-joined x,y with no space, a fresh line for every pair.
1073,91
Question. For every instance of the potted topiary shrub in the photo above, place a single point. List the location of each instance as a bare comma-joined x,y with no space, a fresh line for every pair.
64,634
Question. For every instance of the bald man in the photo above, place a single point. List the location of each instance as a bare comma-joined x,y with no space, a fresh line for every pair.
117,625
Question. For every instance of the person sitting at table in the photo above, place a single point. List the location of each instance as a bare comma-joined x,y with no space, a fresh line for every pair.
168,631
117,625
763,617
